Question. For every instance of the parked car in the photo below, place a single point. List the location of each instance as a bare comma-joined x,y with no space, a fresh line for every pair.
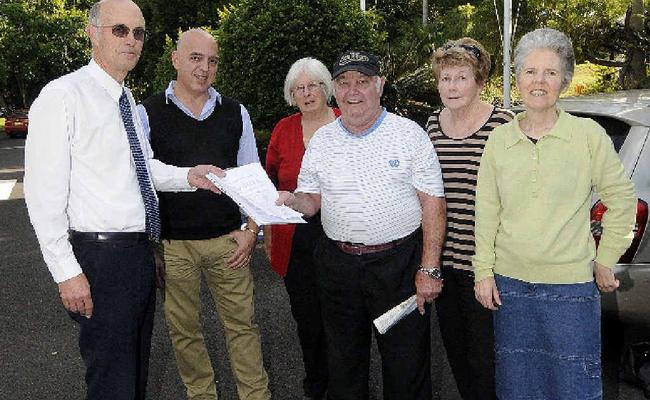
4,111
625,116
16,124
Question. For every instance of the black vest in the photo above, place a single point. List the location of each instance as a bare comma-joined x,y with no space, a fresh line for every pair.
183,141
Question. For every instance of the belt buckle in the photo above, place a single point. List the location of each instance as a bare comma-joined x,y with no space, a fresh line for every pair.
357,249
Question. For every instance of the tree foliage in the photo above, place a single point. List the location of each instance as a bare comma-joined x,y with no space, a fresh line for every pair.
260,39
40,40
43,39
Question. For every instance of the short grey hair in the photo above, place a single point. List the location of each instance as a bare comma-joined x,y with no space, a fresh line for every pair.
93,13
314,69
547,38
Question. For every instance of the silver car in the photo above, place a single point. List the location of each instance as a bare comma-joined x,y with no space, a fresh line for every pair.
626,118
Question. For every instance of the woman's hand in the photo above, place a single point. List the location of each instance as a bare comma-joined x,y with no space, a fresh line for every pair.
605,278
487,294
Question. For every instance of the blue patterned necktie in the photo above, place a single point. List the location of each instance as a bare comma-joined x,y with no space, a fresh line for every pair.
152,221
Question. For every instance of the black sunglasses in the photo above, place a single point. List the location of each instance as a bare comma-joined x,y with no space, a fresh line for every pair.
121,30
467,47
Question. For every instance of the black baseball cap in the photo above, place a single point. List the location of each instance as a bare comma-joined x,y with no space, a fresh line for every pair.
356,60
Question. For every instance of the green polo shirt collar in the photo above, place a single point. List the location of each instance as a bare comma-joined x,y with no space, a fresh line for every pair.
516,135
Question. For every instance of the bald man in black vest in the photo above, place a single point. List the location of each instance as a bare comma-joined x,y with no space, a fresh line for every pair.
201,232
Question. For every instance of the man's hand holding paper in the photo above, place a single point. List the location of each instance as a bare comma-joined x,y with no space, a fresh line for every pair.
253,191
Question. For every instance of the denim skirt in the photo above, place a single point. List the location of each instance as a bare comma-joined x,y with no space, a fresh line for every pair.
547,341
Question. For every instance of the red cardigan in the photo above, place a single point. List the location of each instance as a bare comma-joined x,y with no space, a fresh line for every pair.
283,160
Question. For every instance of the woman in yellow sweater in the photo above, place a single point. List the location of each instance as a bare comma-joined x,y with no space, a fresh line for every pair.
535,258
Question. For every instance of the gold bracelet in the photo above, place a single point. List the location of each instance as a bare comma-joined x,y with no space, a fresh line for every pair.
251,230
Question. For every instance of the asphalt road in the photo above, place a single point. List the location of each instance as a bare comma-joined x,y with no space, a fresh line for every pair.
39,358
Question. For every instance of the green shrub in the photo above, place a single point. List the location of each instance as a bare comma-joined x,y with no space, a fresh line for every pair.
493,91
260,39
262,138
591,78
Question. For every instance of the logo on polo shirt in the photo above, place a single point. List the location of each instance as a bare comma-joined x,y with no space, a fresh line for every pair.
393,163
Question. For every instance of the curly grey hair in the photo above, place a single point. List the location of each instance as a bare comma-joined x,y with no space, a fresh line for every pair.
312,68
547,38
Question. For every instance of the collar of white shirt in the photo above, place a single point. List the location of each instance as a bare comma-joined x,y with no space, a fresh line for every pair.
113,87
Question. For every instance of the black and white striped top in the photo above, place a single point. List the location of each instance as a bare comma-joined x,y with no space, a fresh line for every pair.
459,160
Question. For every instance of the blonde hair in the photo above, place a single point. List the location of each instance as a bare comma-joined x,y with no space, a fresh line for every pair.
462,52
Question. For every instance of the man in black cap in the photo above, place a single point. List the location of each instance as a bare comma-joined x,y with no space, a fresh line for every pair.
376,178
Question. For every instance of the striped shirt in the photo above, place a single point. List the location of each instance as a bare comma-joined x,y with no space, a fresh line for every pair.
459,160
369,182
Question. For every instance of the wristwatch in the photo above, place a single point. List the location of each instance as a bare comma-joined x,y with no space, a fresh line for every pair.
431,272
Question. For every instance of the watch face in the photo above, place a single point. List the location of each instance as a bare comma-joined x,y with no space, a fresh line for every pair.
433,273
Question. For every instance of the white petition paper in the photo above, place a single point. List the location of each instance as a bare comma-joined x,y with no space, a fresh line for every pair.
385,321
253,191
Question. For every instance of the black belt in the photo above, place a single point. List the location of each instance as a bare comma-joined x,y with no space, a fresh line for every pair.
132,237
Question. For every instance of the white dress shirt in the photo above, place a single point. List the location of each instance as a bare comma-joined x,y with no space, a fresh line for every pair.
79,173
247,152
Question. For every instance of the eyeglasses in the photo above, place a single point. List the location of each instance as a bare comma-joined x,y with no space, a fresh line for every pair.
467,47
311,87
121,30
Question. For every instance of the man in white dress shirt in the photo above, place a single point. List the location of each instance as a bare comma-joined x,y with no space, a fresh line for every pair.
89,178
377,181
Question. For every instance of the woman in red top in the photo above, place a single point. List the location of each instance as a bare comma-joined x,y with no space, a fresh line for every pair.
290,248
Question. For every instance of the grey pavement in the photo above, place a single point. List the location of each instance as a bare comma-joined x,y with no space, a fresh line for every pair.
39,358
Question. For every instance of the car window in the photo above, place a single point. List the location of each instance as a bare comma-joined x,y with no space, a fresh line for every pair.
616,129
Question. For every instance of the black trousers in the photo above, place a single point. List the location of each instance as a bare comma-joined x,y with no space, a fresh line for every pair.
354,291
300,282
115,342
467,334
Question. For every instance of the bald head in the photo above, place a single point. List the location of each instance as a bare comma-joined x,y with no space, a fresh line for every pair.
187,38
94,14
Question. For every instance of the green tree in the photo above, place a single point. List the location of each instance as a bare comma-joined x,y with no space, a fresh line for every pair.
608,33
260,39
40,40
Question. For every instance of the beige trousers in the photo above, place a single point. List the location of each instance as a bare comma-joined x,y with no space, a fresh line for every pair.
232,291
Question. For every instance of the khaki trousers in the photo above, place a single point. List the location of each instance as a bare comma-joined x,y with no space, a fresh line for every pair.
232,291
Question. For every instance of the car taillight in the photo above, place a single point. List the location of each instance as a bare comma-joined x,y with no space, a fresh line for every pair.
597,212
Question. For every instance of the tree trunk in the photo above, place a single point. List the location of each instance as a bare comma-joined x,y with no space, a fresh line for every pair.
635,58
22,89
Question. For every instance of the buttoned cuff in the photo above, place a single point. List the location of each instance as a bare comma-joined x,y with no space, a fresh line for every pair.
181,175
65,269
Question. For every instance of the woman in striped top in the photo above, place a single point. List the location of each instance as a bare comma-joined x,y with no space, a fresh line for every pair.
459,132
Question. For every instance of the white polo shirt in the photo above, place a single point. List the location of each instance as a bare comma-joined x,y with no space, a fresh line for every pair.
368,183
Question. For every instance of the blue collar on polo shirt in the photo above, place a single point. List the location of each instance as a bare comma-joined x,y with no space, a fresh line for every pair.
367,131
